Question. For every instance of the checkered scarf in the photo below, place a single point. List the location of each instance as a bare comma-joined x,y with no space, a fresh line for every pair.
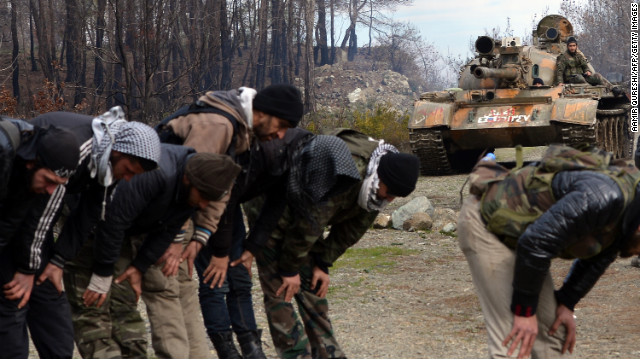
111,131
368,198
324,168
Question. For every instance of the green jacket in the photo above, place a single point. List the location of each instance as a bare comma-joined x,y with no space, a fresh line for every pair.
347,219
568,65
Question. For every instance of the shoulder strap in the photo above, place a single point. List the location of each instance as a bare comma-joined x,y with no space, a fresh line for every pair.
359,144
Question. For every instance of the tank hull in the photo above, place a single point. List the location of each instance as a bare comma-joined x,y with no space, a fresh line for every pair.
450,130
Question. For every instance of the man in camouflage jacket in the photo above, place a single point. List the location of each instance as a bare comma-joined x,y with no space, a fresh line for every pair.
573,67
329,184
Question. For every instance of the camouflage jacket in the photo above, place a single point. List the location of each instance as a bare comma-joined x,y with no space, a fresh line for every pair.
568,65
304,235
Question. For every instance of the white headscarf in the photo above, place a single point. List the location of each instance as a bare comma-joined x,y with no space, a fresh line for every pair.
105,127
368,197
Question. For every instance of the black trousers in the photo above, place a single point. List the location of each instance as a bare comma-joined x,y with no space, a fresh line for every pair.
47,316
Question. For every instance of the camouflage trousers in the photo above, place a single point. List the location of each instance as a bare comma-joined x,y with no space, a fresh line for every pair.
114,330
594,79
290,337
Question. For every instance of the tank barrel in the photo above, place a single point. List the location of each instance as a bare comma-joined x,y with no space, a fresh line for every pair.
508,74
484,45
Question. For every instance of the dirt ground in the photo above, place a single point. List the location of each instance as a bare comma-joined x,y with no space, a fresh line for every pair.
409,295
424,306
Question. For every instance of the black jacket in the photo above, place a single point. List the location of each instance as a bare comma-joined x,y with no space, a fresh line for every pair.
87,191
586,203
26,217
153,203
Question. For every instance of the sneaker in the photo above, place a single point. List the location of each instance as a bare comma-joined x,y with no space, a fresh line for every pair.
635,261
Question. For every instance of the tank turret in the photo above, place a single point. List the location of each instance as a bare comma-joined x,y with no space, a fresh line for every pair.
497,104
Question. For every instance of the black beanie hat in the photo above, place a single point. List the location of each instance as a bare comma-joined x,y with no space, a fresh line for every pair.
280,100
571,39
58,150
212,174
399,172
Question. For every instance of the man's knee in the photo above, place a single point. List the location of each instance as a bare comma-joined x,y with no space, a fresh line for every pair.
576,79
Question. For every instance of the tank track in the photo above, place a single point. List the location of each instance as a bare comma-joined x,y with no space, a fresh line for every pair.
611,133
428,146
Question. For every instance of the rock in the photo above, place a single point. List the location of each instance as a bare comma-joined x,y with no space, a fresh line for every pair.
402,214
449,228
418,221
354,95
443,216
382,221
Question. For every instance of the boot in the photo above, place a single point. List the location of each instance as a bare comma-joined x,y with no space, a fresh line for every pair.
250,344
223,342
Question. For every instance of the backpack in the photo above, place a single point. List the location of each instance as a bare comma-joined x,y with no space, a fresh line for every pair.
166,134
358,143
513,199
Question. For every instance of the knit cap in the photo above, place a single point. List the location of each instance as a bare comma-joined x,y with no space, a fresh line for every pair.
399,172
212,174
58,150
280,100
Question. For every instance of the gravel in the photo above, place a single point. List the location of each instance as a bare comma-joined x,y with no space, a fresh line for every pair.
423,305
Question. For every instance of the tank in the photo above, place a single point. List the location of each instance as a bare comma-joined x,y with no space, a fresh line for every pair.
496,105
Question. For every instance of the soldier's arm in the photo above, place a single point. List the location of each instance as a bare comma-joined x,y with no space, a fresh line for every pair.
301,235
583,276
36,229
587,201
130,199
560,65
582,62
342,236
157,242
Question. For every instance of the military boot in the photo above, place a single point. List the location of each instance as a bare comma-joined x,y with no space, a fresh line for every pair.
223,342
250,344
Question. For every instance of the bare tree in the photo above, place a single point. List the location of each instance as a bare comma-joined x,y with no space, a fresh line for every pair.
602,28
321,33
15,52
75,49
309,98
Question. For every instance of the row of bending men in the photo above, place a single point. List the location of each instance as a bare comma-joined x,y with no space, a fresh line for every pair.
591,213
139,213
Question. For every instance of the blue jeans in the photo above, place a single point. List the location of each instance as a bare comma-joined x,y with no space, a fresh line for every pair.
230,306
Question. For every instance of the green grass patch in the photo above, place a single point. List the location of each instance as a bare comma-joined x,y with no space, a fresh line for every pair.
379,258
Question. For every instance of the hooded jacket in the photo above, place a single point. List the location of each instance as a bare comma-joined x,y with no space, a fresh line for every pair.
214,133
85,215
15,205
153,203
44,209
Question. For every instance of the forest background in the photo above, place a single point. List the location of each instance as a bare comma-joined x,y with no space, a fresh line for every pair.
153,56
